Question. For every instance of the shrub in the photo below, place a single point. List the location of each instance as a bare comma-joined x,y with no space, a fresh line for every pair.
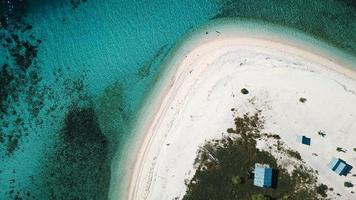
230,130
294,154
321,189
244,91
339,149
348,184
302,99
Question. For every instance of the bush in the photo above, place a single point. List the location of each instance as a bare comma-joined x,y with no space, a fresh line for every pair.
294,154
302,99
348,184
321,189
339,149
230,130
244,91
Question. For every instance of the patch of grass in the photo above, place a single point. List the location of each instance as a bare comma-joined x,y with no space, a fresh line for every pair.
274,136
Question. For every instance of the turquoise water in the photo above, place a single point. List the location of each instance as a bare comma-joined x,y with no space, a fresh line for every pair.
69,109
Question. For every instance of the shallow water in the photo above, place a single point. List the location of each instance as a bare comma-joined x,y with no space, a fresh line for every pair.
74,80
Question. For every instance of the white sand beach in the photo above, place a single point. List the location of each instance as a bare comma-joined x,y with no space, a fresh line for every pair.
193,103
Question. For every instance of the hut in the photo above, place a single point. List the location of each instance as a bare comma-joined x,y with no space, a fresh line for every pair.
263,176
339,166
303,139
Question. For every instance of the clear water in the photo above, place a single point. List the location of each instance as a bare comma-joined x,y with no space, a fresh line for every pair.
96,63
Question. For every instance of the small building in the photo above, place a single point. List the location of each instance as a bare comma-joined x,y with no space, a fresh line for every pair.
263,176
303,139
339,166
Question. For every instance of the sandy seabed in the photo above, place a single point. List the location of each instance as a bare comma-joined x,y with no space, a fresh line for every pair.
193,102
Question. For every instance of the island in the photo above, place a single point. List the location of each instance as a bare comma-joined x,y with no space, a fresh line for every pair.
291,104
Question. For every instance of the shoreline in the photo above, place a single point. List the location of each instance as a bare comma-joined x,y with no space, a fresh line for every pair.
152,110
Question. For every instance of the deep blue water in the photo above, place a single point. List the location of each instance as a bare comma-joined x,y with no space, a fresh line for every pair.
74,73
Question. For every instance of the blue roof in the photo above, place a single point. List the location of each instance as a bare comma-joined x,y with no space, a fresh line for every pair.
304,140
339,166
263,176
334,163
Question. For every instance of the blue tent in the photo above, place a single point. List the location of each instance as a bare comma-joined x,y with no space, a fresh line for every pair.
263,176
304,140
339,166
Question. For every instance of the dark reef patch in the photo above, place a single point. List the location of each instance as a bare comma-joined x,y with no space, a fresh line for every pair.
81,126
76,3
351,3
13,142
6,77
11,11
19,75
157,58
1,137
114,115
79,168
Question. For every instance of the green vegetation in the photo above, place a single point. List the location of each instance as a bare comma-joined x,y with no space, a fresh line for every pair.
230,130
340,149
354,149
281,148
294,154
224,168
274,136
348,184
322,189
321,133
302,100
236,180
244,91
